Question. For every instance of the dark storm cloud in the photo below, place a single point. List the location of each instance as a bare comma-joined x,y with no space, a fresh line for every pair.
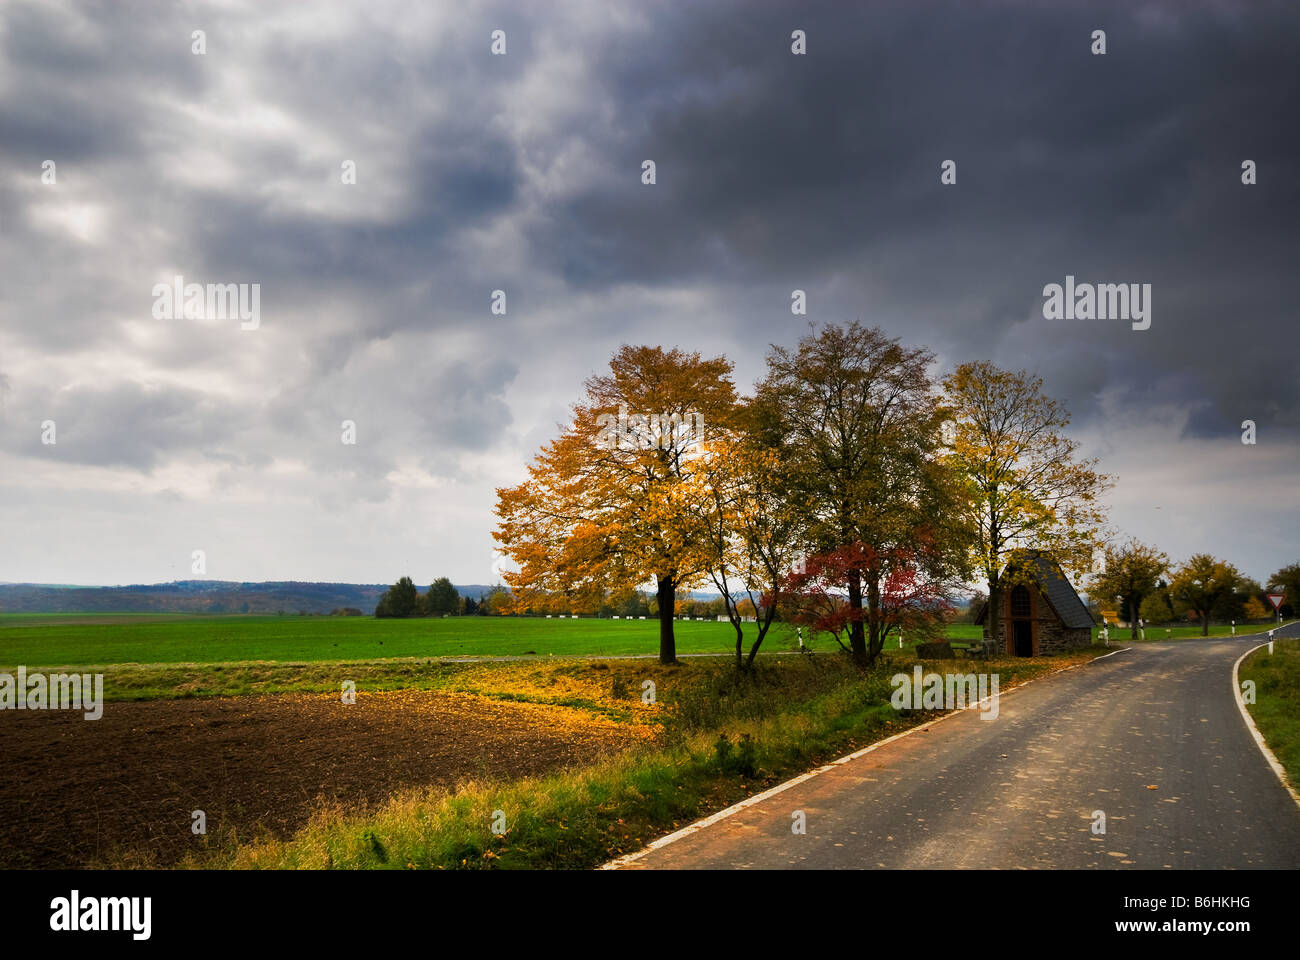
1122,168
75,76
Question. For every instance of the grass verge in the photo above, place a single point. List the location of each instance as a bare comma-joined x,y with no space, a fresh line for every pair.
1159,633
1276,710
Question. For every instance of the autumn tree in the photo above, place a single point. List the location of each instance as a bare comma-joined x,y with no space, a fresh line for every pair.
605,504
1202,583
1132,573
909,599
854,416
1158,606
629,602
1256,609
1233,607
751,533
496,602
1025,486
1287,582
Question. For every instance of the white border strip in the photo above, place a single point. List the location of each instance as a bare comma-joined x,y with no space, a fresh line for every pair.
1254,730
699,825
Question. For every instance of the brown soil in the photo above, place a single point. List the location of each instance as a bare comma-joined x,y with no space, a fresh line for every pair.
75,793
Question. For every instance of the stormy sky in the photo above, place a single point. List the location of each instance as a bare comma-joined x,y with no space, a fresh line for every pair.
522,172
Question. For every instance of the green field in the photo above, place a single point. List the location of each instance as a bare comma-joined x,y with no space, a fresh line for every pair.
57,639
164,656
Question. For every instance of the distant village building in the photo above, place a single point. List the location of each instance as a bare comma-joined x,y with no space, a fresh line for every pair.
1042,616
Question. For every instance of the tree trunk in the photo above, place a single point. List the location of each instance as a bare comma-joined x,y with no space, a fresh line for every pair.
873,616
1205,625
857,636
667,607
734,617
1134,604
995,607
768,616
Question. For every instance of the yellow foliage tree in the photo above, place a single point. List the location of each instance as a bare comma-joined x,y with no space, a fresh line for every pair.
1025,487
611,503
1255,609
1202,583
1132,573
750,531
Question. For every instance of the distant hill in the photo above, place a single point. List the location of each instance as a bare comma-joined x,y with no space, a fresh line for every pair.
200,596
212,596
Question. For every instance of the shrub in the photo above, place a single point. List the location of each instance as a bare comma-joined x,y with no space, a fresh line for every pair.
741,758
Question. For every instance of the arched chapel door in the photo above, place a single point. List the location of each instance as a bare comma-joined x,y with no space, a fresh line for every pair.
1022,624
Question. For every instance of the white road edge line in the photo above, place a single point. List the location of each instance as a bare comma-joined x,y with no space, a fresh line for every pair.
1254,730
699,825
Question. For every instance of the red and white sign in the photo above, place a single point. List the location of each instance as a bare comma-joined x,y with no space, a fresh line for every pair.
1275,599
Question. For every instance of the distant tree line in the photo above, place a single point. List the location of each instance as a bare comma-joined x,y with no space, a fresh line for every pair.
442,599
1203,589
403,599
634,603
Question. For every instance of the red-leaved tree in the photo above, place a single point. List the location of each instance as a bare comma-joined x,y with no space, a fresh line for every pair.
817,594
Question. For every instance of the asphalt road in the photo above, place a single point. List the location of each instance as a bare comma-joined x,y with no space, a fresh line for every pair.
1151,736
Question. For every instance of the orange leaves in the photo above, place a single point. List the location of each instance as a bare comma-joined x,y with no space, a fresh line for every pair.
591,518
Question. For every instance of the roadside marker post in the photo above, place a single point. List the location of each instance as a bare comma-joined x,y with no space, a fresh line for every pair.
1234,628
1270,641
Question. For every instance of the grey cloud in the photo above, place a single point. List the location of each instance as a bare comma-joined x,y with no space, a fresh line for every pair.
825,170
125,425
775,172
